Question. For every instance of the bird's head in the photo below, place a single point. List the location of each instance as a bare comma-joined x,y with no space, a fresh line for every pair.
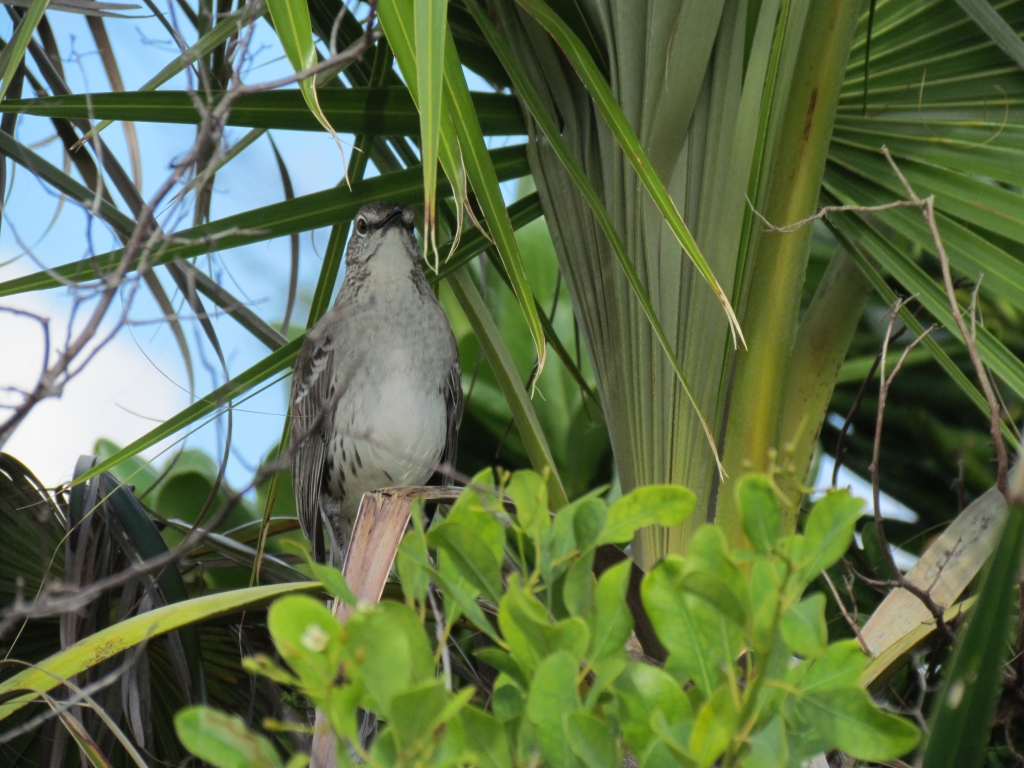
382,230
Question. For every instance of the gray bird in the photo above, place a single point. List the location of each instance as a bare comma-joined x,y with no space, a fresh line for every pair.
376,395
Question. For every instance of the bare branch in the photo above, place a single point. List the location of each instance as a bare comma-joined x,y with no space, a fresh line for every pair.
900,580
927,207
849,620
830,209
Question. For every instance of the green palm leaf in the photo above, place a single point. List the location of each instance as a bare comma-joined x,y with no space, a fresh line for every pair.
300,214
380,111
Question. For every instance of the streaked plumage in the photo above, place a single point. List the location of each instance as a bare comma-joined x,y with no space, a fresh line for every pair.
377,392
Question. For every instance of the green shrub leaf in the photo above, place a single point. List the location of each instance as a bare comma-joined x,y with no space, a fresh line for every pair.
553,696
650,505
839,667
829,531
641,691
591,740
850,721
713,729
768,747
223,740
613,623
803,627
308,637
529,492
759,510
675,624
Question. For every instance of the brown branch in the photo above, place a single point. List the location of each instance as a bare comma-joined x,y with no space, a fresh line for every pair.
849,619
901,581
829,209
927,206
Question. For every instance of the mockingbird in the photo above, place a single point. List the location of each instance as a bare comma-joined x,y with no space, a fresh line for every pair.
376,395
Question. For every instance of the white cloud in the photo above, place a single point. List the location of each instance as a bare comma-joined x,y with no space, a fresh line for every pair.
116,396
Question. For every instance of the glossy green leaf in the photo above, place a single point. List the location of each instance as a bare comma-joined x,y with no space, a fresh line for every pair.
709,554
760,511
421,710
223,740
309,639
470,554
579,586
848,719
332,579
589,520
610,110
591,740
839,667
768,747
531,635
765,588
553,696
713,729
829,531
486,738
376,111
641,691
529,493
126,634
389,646
803,627
650,505
972,678
676,625
716,593
411,552
504,663
613,623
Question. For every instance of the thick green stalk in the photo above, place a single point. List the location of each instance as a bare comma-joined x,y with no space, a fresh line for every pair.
770,317
822,340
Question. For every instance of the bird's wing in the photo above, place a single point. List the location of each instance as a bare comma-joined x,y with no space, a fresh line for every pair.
312,424
452,390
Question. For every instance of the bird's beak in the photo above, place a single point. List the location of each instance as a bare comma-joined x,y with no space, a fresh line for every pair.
394,216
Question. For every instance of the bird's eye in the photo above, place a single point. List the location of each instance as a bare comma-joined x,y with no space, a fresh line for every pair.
361,226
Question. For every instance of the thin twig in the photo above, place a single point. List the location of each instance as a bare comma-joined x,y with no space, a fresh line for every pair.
830,209
849,619
855,408
883,393
927,206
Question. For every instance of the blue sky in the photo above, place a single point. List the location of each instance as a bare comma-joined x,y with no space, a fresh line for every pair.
139,376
